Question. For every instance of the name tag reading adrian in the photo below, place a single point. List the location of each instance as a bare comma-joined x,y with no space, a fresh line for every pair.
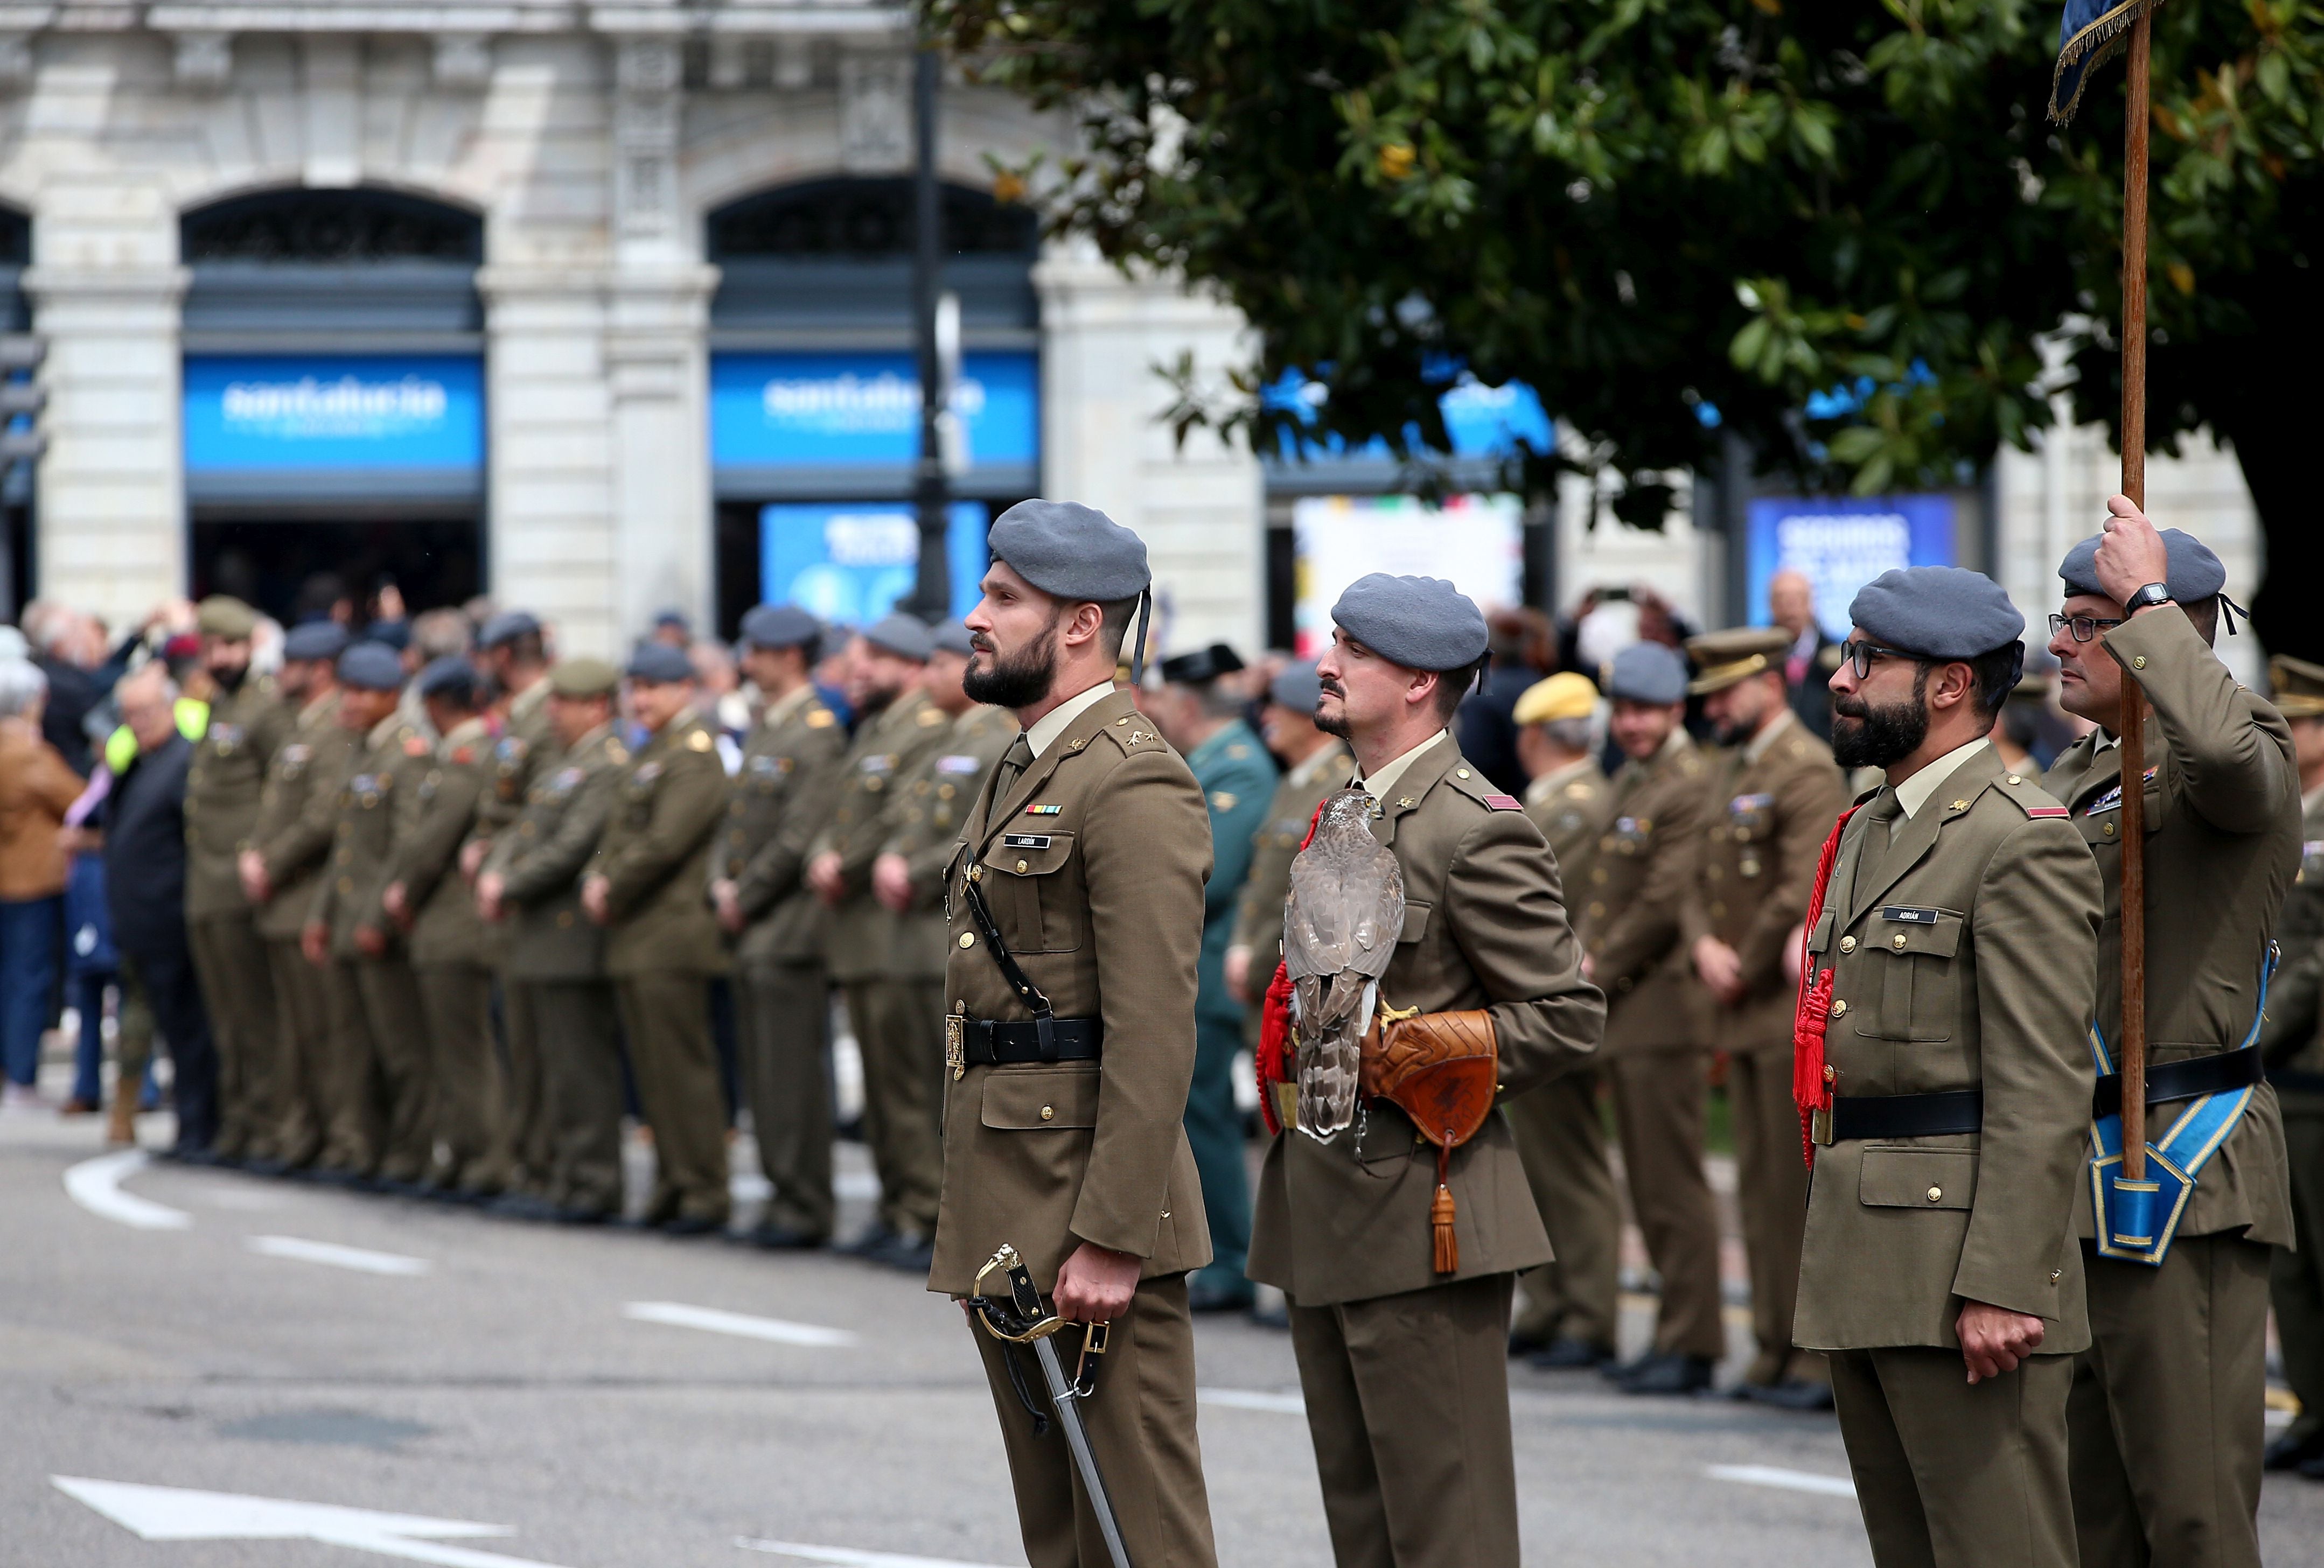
1025,841
1908,914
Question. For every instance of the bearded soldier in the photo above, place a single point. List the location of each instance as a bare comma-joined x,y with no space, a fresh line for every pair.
1398,1259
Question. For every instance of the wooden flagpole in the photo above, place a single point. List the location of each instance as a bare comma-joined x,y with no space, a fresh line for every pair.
2131,1058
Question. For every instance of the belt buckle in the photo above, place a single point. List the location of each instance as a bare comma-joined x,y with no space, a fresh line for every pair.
957,1044
1819,1125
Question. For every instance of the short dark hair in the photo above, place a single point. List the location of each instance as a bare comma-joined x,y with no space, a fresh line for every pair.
1453,686
525,648
2205,614
1994,676
1114,625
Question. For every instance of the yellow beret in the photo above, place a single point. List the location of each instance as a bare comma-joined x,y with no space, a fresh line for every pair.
1563,696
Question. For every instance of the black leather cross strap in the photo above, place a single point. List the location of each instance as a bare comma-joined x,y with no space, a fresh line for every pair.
2223,1073
1862,1116
1044,1016
997,1043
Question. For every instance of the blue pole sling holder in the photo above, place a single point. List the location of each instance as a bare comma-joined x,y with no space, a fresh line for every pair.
2136,1220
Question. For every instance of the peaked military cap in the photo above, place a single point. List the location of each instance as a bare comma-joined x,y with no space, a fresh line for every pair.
1563,696
2298,685
905,636
450,676
951,636
583,677
659,664
1298,688
1734,655
370,666
315,639
1419,622
1937,611
507,627
223,615
1203,664
1647,672
780,626
1072,551
2191,571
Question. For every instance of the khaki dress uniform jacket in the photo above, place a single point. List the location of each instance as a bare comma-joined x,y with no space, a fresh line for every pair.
553,964
523,746
1644,878
2156,1469
662,947
1962,948
1102,902
2292,1041
1560,1136
1774,808
292,835
223,785
775,806
1404,1369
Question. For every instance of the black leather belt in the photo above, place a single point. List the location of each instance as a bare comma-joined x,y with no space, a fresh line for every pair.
992,1043
2191,1079
2292,1081
1862,1116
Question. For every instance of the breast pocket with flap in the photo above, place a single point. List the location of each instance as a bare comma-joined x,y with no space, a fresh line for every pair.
1036,891
1912,950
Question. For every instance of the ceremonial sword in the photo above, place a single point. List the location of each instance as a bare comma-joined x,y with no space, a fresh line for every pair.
1018,1318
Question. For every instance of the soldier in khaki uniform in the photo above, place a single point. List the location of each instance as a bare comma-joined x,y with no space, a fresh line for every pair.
1633,932
1088,846
2293,1044
775,806
246,723
1954,947
1314,764
511,652
647,887
1405,1368
555,960
288,844
897,730
1777,795
432,904
1572,1311
376,1001
2167,1407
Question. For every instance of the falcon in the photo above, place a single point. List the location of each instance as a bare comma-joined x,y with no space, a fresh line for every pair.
1340,925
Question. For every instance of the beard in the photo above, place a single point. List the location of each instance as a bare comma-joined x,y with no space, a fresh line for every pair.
1337,724
1016,681
229,677
1864,736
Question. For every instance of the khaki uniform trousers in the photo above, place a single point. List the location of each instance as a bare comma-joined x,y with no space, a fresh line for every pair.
2296,1279
1141,1428
665,1018
785,1011
900,1029
353,1090
1408,1410
581,1092
397,1022
1948,1475
525,1133
1563,1145
1771,1183
302,1056
2167,1413
230,964
464,1071
1658,1109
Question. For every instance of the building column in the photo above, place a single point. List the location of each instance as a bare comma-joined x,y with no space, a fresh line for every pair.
657,375
111,491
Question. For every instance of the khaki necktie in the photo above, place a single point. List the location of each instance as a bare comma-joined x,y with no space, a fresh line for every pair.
1019,757
1883,812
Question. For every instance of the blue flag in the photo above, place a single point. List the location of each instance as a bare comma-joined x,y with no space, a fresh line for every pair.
2088,35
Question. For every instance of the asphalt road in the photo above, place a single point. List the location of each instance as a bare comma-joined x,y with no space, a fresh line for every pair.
604,1399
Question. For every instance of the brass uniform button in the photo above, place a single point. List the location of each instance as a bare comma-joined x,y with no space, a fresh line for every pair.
1021,866
1460,772
1935,1194
1838,1009
1049,1113
2138,662
968,938
1897,942
2107,830
2013,779
1831,1075
1848,944
2055,1274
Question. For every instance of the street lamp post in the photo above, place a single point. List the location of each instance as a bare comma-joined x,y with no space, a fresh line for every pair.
933,595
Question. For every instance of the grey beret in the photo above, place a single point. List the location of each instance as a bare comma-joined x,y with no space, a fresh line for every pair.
2194,576
905,636
450,676
1937,611
1296,687
371,665
315,639
674,617
951,636
1073,551
1419,622
507,627
1647,672
780,626
660,663
395,634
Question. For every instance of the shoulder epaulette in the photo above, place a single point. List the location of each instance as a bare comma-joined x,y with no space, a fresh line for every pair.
1135,733
2029,796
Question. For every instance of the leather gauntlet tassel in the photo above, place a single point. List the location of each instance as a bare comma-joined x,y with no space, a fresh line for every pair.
1440,1218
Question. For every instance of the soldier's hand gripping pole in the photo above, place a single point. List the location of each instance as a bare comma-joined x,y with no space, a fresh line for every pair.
1019,1318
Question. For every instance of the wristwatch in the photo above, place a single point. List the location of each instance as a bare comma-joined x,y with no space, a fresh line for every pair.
2153,594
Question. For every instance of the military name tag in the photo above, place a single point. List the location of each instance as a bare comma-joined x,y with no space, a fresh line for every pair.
1025,841
878,764
959,763
1908,914
1747,803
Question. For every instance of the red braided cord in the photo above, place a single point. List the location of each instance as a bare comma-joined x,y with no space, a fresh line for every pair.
1810,1091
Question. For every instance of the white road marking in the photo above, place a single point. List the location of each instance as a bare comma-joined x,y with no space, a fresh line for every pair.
1797,1481
775,1330
848,1557
361,1259
169,1513
1253,1399
95,1185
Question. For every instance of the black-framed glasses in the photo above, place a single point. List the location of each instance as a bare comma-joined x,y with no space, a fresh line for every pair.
2085,626
1860,655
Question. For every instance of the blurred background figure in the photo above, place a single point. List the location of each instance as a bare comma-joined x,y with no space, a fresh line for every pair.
36,789
1522,650
672,628
1812,657
2033,729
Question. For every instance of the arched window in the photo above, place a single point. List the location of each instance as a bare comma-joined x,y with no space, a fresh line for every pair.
350,264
